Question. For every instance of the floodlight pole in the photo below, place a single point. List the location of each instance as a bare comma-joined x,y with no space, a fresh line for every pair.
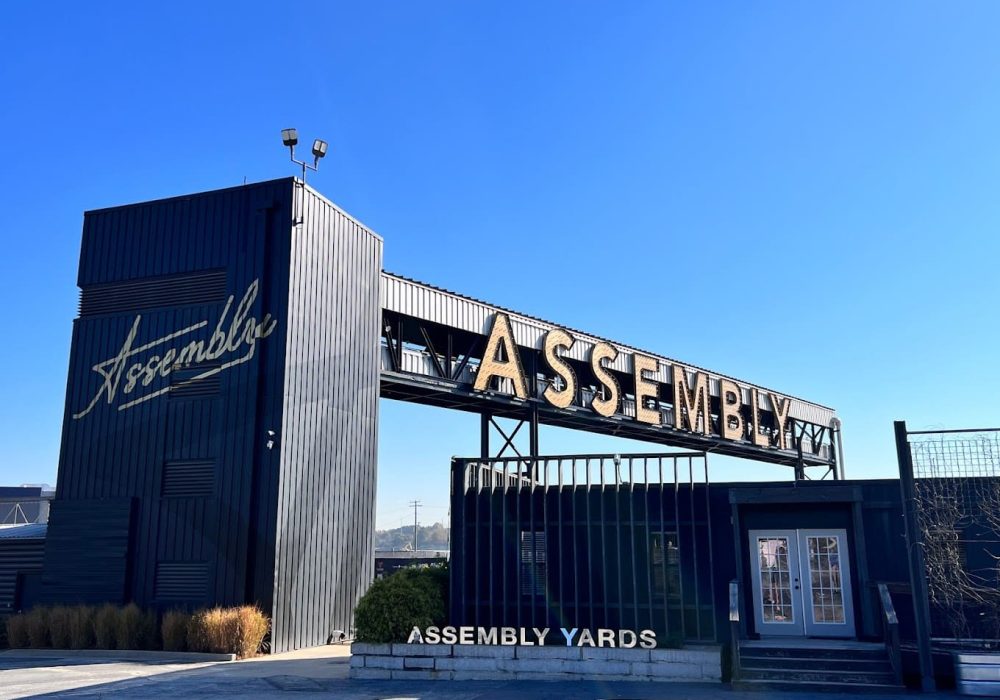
305,165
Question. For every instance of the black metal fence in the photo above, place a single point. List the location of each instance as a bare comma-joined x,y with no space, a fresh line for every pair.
585,541
957,498
950,481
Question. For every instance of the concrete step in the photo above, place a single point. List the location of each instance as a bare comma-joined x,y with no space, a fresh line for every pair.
813,687
837,664
812,652
814,675
815,665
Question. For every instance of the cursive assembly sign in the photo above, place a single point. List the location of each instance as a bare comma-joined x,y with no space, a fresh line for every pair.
134,368
533,636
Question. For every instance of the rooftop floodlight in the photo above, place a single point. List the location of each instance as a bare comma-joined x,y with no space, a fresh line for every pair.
290,137
319,150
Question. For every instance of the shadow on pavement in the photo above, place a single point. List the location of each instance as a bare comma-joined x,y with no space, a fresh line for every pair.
327,678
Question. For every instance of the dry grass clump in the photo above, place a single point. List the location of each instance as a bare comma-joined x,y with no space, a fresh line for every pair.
174,630
106,627
237,631
135,629
38,628
17,631
252,627
59,626
81,627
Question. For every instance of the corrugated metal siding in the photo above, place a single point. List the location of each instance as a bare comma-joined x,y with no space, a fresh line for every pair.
113,454
325,518
20,555
429,303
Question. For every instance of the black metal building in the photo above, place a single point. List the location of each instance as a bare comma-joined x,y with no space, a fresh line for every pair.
646,542
219,439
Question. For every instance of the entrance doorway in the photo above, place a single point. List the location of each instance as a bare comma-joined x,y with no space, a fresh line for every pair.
801,583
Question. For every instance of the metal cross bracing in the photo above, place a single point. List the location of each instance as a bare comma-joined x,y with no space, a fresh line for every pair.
433,364
586,541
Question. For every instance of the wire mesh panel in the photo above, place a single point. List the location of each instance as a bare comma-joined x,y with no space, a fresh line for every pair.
957,504
619,542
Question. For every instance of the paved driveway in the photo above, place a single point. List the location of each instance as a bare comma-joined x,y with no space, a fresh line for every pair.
311,673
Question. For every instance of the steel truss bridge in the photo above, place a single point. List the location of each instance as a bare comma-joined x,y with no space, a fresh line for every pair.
433,340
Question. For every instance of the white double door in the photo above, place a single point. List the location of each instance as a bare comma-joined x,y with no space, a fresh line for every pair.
801,583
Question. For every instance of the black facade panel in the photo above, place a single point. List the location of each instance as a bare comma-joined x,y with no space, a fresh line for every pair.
166,398
325,515
586,543
88,551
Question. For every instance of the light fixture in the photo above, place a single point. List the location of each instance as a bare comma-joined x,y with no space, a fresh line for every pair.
319,149
290,138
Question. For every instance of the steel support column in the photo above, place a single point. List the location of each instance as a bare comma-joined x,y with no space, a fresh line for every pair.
915,557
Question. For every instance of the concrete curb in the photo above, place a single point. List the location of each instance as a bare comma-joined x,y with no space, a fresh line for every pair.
177,657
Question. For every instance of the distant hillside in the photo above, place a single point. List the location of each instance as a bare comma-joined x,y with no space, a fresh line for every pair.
430,537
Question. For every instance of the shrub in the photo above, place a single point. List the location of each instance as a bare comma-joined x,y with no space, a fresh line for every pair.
81,627
174,630
237,631
134,628
105,626
251,627
17,631
394,605
38,628
59,626
209,631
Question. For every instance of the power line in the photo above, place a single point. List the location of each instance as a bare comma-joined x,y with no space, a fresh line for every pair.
415,504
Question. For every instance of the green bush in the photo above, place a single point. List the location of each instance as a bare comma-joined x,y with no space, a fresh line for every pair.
38,628
174,630
393,606
106,626
81,627
17,631
59,626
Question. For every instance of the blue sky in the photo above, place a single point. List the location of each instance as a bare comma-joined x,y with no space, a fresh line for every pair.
802,196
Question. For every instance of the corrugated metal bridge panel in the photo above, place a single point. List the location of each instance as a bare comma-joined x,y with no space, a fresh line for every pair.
423,301
325,519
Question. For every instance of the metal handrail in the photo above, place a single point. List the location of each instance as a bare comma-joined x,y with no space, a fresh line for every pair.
734,627
890,631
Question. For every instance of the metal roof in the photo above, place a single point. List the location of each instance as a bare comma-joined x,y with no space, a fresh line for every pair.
30,531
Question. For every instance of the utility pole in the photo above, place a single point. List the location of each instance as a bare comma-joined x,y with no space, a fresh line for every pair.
415,504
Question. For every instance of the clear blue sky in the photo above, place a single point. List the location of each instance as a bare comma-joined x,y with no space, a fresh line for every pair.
804,196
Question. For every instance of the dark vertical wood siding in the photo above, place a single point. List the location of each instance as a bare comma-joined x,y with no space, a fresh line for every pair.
147,259
325,510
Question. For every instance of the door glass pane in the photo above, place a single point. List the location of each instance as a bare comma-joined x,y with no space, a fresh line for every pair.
824,574
775,580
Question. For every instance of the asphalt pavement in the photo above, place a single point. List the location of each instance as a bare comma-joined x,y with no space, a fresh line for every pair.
309,673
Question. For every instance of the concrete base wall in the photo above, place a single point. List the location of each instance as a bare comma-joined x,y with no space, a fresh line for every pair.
460,662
